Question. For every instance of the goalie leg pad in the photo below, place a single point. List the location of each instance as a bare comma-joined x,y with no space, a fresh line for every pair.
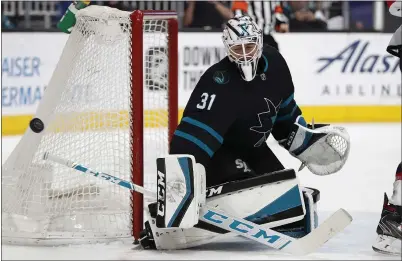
282,205
260,200
303,227
204,233
153,237
180,191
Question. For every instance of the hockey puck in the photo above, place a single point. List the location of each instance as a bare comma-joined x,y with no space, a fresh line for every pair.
36,125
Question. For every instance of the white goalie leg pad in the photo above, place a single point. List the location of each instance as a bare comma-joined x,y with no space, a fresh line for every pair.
181,189
324,150
311,210
260,203
180,238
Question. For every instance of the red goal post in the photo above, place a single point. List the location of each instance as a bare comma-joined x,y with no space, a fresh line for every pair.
138,17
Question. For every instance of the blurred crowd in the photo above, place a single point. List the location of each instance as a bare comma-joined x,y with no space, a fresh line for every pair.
300,16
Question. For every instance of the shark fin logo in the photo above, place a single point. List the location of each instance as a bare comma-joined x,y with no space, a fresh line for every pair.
221,77
266,121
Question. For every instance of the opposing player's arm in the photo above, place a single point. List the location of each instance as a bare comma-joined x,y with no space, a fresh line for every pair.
209,113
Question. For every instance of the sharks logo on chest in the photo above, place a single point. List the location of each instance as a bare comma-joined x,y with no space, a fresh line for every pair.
266,121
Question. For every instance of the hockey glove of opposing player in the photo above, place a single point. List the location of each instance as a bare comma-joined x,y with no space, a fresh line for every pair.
67,22
324,149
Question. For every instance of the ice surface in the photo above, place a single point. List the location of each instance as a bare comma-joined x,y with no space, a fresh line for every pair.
358,188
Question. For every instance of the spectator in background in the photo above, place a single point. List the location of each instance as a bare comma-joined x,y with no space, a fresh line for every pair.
207,15
335,18
361,15
302,18
154,5
318,6
6,23
63,6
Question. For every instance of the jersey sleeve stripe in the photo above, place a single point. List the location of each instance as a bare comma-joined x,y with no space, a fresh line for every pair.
287,101
287,116
204,127
194,140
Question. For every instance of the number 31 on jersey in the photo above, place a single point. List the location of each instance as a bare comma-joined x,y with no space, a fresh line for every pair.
206,101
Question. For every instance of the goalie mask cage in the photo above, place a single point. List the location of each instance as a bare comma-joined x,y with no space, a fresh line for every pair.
111,105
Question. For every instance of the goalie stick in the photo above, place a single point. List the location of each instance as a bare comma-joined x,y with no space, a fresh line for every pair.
305,245
107,177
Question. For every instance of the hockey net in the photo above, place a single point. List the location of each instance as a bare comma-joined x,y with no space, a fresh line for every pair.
111,105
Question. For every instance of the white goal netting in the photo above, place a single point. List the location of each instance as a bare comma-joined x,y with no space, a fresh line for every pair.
86,113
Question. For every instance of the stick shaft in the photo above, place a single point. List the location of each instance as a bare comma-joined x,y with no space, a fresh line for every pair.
104,176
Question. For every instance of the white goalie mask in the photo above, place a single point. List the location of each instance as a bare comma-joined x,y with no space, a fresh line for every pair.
243,41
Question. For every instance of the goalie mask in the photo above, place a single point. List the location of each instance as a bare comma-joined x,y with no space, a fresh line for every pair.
243,41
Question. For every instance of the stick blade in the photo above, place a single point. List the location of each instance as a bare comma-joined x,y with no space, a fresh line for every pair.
336,223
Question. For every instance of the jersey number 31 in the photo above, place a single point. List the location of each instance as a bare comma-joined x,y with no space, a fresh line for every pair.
204,100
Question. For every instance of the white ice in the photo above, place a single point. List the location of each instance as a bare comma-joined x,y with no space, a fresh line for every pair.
358,188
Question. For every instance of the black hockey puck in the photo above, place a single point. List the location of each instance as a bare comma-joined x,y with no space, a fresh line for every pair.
36,125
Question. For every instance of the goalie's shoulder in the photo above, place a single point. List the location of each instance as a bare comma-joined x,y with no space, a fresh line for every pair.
273,55
270,51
